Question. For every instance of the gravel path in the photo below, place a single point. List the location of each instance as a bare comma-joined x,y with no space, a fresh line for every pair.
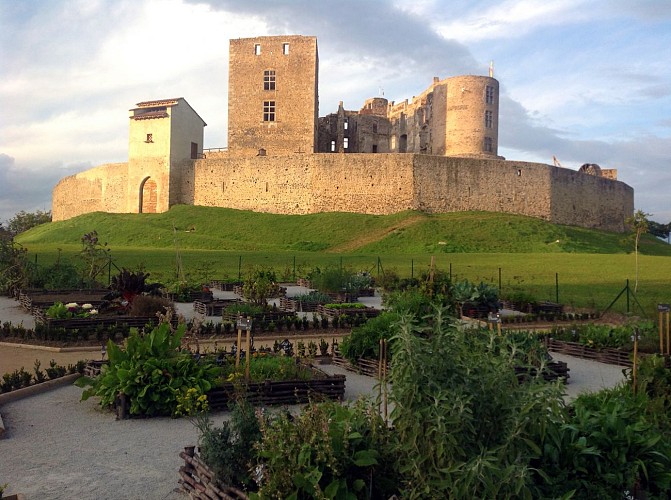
57,447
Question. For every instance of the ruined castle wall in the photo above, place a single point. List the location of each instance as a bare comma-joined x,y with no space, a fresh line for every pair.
459,184
299,184
364,183
589,201
558,195
99,189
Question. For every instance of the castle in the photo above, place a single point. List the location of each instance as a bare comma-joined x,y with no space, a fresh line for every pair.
436,153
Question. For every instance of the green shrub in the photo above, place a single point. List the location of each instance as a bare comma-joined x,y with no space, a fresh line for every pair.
229,450
606,448
149,305
464,426
327,451
364,341
151,372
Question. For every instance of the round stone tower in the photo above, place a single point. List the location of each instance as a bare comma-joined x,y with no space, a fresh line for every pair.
472,117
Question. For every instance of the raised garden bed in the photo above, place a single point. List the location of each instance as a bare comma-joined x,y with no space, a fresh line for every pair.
197,479
556,369
606,355
215,307
267,316
224,286
368,312
287,392
287,304
36,300
93,322
191,296
269,392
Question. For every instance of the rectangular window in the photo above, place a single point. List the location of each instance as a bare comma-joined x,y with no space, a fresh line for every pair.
489,146
194,150
489,120
268,111
269,79
345,143
345,124
285,49
150,138
489,95
374,148
332,146
257,49
375,128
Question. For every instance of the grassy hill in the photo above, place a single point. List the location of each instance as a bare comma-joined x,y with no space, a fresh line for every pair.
221,229
578,266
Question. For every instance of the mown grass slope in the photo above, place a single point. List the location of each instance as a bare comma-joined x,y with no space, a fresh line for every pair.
205,228
580,267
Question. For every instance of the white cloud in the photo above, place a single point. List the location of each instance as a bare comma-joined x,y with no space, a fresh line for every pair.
586,81
512,18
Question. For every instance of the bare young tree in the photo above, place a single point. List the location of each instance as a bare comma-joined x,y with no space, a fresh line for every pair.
639,224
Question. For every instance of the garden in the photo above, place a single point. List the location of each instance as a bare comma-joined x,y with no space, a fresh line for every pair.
476,411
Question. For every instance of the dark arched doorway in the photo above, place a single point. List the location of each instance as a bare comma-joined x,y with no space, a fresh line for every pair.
148,196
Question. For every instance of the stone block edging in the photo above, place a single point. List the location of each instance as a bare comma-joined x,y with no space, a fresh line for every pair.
50,348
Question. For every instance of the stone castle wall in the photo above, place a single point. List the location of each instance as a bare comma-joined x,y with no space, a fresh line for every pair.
100,189
364,183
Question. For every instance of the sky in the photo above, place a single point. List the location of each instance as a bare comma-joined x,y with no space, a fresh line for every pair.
585,81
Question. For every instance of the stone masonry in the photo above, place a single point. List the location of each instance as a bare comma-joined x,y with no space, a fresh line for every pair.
435,153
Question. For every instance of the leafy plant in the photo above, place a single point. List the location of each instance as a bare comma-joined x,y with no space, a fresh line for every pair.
129,284
229,450
260,285
327,451
364,341
446,384
151,372
606,447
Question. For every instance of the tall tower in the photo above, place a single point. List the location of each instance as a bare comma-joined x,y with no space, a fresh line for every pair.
273,105
472,116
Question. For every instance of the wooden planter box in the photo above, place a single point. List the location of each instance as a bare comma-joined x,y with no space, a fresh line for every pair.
287,304
200,295
91,323
215,307
556,369
197,480
32,300
368,367
368,312
606,355
286,392
224,286
267,316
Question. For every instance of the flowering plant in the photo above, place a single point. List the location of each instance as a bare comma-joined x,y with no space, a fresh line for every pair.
70,310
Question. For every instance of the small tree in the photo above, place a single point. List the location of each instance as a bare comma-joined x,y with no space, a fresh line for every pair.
639,224
260,285
13,264
95,256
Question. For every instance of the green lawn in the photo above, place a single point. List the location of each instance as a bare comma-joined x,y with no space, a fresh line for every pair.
591,267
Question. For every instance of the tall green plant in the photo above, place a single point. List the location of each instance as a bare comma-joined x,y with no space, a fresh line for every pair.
328,451
151,372
464,426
